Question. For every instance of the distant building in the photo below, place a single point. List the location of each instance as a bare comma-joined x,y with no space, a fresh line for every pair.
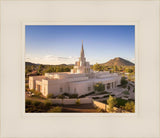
80,80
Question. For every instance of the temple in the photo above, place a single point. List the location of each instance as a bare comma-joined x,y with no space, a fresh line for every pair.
80,80
81,66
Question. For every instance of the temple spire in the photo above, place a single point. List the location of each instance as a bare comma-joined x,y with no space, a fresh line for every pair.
82,51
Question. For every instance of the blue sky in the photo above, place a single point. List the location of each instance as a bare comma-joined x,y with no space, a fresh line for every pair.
58,44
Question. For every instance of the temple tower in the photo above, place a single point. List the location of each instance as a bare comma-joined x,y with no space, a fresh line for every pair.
81,66
82,58
82,50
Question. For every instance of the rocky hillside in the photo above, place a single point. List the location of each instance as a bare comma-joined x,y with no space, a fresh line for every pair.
118,62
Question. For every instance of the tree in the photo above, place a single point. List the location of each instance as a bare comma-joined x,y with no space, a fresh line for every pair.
50,95
40,68
56,109
120,68
124,81
67,69
99,87
115,68
28,102
128,70
78,102
61,96
58,69
49,70
106,68
47,105
32,67
75,95
98,67
130,106
129,88
111,101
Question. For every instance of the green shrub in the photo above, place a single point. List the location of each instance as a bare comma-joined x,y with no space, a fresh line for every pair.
95,97
82,96
48,103
73,96
78,102
130,106
28,102
56,109
106,96
69,95
99,87
90,93
66,94
27,86
120,102
111,101
36,103
124,82
61,96
50,95
129,88
103,93
37,106
36,93
126,92
104,101
42,106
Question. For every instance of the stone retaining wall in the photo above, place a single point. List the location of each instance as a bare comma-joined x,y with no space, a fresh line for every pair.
71,101
100,105
103,106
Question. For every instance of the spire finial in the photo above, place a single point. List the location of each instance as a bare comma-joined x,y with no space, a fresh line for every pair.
82,51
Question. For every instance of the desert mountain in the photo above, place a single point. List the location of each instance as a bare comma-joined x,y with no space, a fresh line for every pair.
30,63
118,62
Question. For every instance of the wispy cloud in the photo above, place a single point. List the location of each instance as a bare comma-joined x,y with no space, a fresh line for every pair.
132,60
50,59
55,60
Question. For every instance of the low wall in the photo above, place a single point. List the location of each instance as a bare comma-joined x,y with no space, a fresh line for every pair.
71,101
103,106
100,105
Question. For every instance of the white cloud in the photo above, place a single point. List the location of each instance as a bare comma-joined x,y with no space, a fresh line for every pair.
50,59
55,60
132,60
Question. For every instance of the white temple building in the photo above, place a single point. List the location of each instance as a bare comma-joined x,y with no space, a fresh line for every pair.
80,80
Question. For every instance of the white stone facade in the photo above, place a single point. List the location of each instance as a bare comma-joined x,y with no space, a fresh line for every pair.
80,80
